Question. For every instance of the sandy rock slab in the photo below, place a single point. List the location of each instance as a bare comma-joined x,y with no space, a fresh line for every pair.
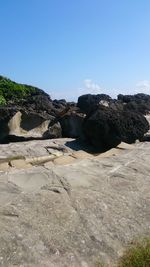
76,214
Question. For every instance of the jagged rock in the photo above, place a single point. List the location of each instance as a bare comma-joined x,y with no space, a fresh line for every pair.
88,103
132,126
139,103
59,104
39,103
100,128
105,128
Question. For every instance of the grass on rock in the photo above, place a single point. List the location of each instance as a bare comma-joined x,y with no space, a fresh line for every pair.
136,255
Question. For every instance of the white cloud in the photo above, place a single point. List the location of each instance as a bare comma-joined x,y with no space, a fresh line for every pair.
143,87
89,87
92,87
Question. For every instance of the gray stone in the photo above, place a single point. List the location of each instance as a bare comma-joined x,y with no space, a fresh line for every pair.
75,214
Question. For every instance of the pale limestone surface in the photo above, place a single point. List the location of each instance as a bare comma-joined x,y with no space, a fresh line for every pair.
74,214
15,127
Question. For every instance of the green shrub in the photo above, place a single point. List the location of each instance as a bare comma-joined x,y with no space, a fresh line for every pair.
10,90
138,255
2,100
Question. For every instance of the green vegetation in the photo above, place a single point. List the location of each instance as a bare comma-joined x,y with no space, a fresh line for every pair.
137,255
2,100
12,91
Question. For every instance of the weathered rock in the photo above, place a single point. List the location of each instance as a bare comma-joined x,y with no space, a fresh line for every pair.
5,116
71,124
59,104
75,214
80,154
39,117
101,128
132,126
19,164
4,166
54,131
63,160
23,125
88,103
105,128
139,103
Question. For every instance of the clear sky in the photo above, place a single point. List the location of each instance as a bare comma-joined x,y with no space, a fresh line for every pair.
71,47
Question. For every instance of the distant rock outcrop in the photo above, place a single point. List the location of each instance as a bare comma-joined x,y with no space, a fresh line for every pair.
137,103
27,112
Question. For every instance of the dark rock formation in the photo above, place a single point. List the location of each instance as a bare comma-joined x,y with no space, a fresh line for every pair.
5,115
137,103
71,124
100,128
105,128
132,126
38,103
27,112
145,138
88,103
54,131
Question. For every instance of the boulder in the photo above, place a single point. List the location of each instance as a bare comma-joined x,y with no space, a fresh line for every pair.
100,128
132,126
21,125
87,103
105,128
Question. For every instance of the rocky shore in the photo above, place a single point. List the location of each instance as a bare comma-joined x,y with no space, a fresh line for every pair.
74,177
62,206
28,113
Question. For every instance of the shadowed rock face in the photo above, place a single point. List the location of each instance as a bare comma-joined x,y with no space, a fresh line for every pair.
54,131
71,124
5,116
106,128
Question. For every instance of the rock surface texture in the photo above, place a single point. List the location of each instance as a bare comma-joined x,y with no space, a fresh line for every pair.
105,127
81,210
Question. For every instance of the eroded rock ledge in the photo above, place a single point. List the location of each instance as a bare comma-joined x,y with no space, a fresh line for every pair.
71,213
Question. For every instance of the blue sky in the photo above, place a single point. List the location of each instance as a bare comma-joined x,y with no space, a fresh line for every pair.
72,47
